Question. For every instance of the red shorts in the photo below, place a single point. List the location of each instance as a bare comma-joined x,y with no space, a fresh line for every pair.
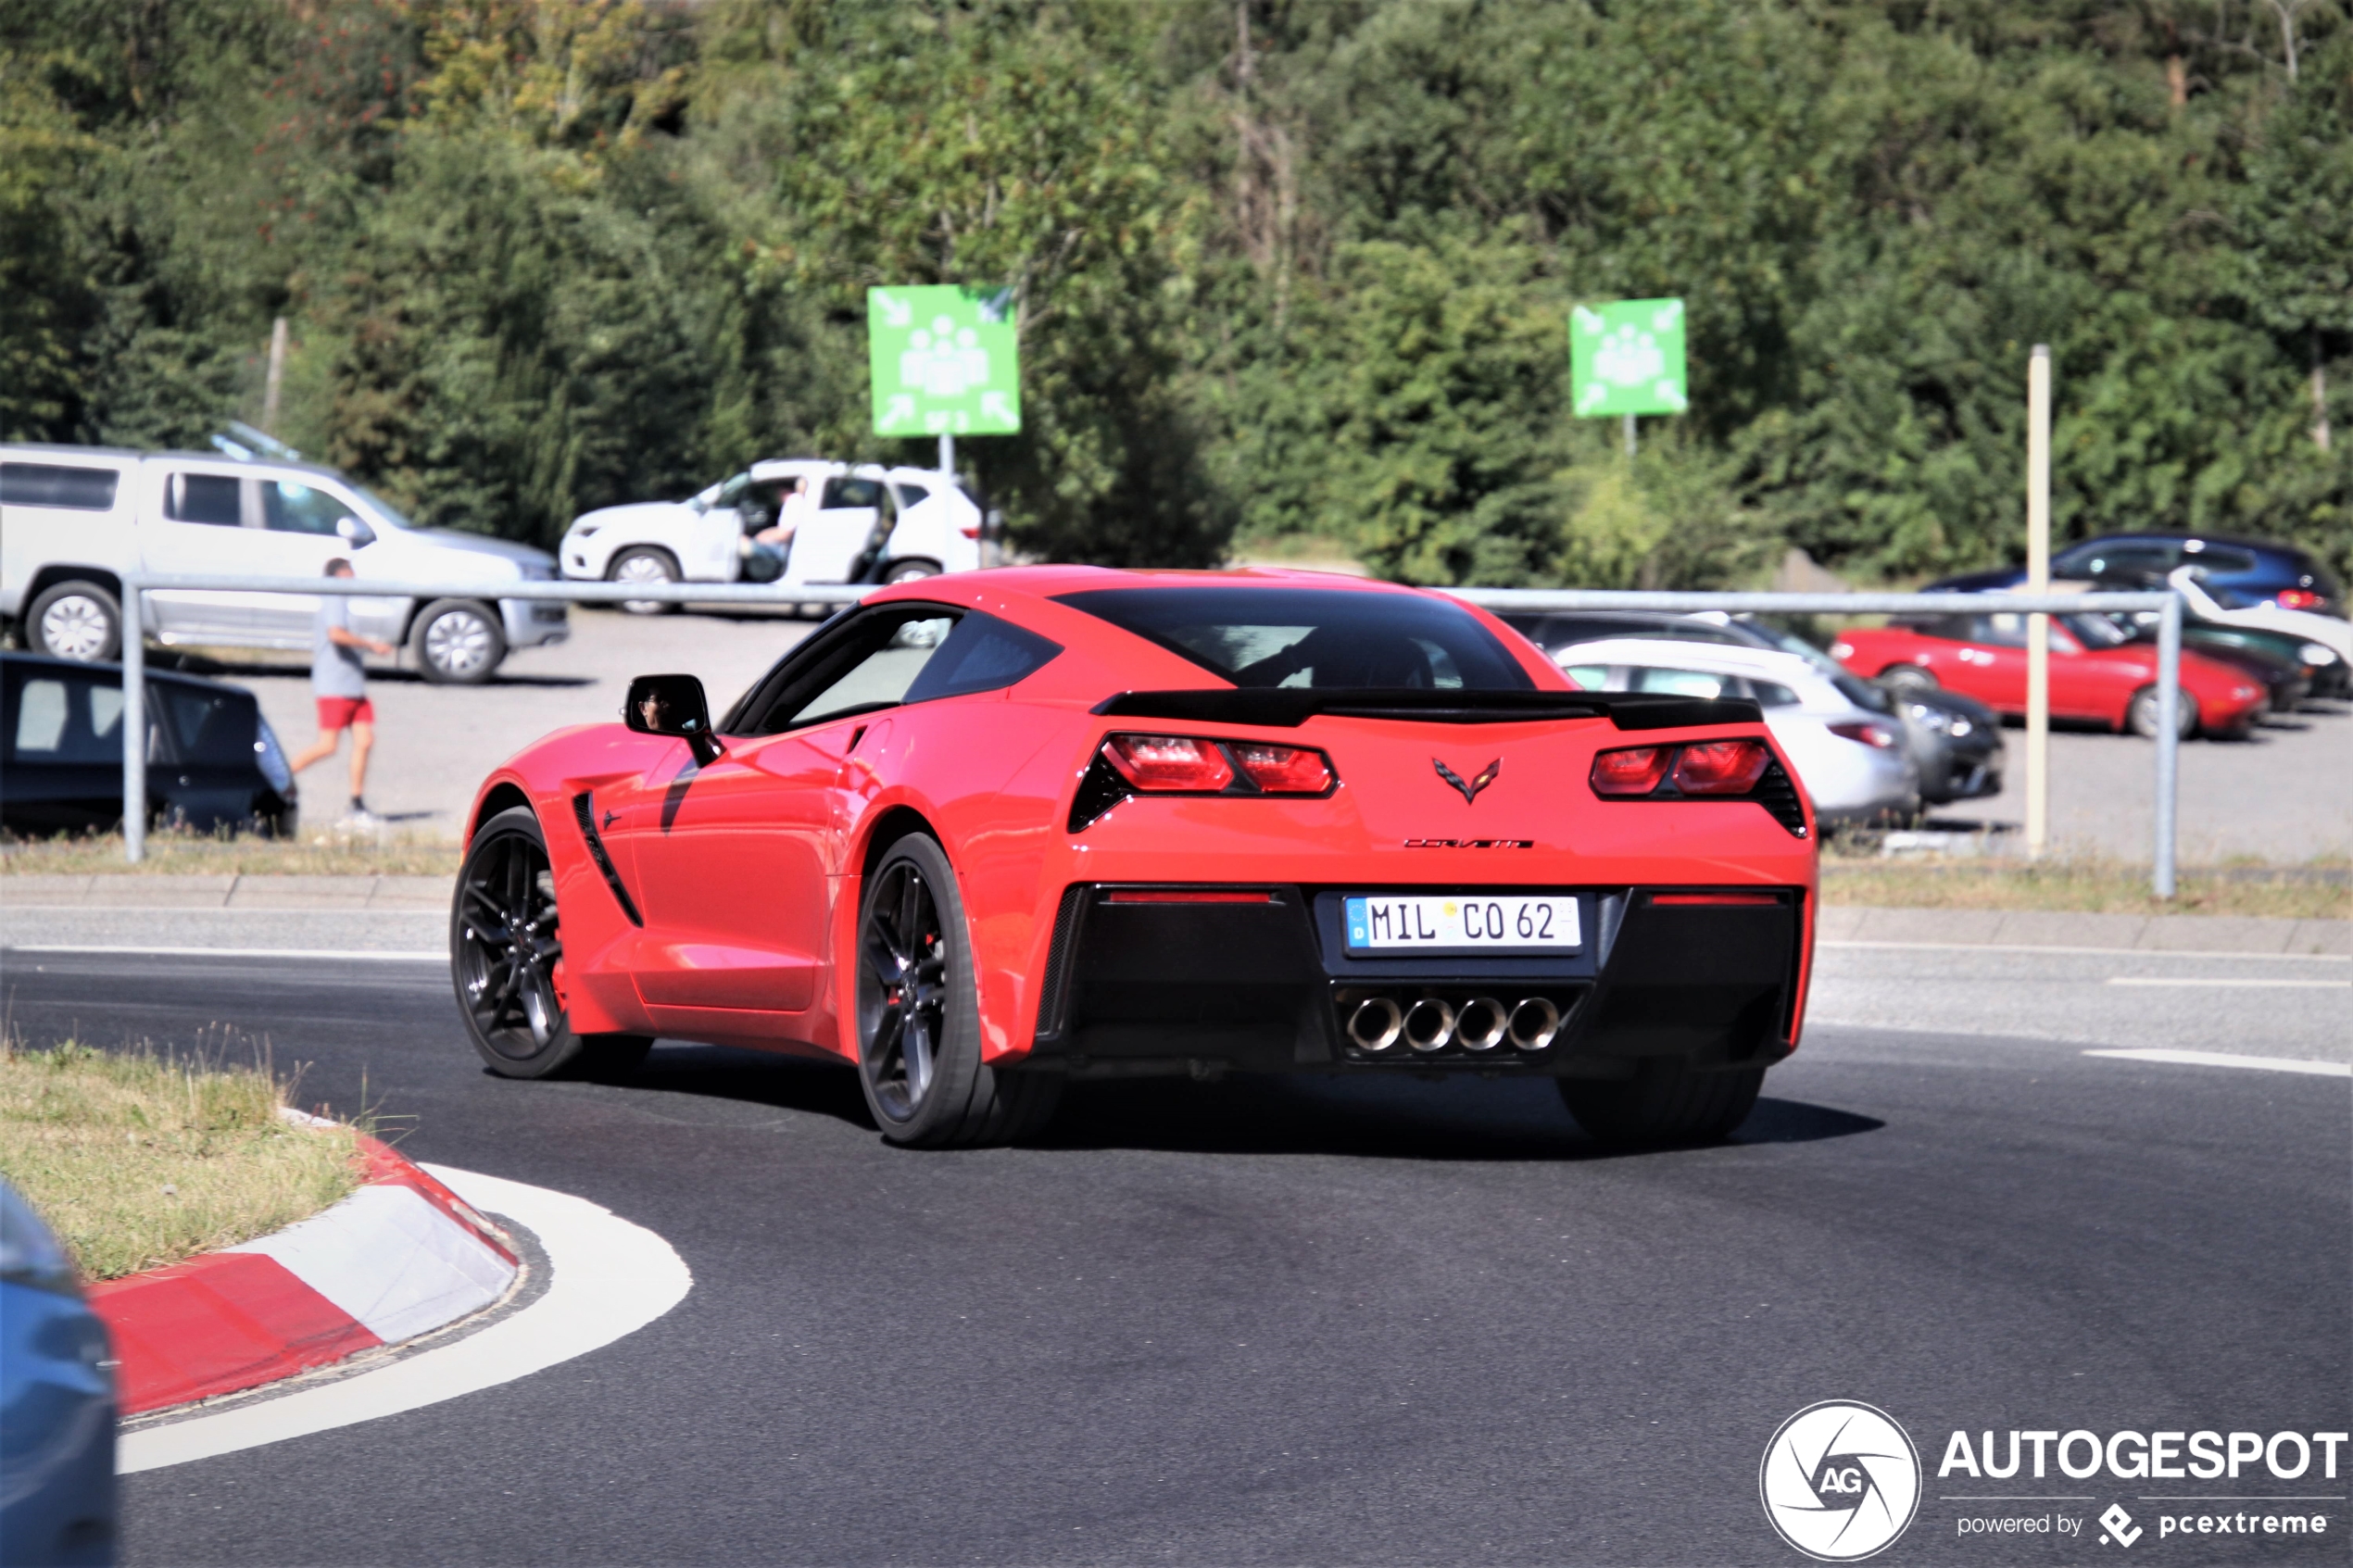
342,713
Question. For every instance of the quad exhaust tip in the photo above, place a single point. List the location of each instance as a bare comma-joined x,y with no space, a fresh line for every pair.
1429,1025
1480,1026
1376,1024
1533,1024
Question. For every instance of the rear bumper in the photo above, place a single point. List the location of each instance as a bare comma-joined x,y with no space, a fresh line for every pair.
1140,987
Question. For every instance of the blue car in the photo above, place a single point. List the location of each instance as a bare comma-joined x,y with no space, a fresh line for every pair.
56,1403
2238,572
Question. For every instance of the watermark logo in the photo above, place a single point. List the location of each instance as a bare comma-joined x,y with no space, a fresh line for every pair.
1840,1481
2117,1525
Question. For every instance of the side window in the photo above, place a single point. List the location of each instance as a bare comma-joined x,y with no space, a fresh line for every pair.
2006,630
1770,695
2224,563
731,493
1944,628
53,485
851,493
1681,683
204,498
910,496
870,663
59,718
983,654
290,507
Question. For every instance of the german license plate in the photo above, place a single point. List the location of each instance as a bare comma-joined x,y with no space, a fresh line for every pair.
1381,923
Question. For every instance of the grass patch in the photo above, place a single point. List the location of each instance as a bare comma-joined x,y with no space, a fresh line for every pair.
138,1160
180,853
2092,886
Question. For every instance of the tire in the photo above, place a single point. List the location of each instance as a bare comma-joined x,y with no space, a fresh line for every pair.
75,620
1663,1103
505,948
647,564
2140,715
918,1014
1906,678
458,642
910,571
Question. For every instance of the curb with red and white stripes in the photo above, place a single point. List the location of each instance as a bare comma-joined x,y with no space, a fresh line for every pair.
400,1257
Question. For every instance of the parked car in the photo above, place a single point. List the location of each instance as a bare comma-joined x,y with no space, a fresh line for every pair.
2239,572
871,524
212,760
73,519
2291,664
2097,672
2317,634
1956,741
1851,761
56,1402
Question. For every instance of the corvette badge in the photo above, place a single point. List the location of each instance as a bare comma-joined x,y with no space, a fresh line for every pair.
1471,791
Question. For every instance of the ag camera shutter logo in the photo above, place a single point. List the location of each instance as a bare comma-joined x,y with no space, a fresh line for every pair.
1840,1481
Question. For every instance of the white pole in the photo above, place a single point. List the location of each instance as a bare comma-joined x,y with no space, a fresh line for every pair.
134,724
277,376
2038,580
1629,437
947,453
2168,738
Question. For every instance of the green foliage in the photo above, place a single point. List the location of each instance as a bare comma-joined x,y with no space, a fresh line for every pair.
1285,268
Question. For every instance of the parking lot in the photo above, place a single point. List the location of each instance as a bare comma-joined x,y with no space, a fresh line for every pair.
2277,796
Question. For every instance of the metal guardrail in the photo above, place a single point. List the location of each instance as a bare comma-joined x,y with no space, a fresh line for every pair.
2167,605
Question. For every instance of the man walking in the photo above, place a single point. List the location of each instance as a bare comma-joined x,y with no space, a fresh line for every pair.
339,682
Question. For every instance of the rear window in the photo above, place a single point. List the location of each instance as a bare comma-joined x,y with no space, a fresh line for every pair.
1323,639
53,485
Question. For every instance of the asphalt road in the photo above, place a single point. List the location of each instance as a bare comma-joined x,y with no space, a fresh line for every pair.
1316,1321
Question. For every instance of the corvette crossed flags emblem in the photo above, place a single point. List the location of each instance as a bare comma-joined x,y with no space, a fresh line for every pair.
1470,790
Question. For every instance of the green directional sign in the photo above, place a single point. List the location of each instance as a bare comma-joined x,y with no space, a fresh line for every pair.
1627,358
944,361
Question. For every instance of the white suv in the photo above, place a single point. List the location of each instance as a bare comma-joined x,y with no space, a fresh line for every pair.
871,524
72,519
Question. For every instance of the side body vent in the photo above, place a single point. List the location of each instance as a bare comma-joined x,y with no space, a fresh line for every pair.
584,812
1778,796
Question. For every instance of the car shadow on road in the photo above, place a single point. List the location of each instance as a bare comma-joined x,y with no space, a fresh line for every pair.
1459,1118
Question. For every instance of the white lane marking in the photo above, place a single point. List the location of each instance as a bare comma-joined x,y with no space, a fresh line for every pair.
610,1278
2094,952
2275,985
2224,1059
336,953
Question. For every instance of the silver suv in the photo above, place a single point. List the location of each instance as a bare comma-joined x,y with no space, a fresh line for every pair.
73,519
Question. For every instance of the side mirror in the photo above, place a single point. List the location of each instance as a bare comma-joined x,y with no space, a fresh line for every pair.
354,533
673,705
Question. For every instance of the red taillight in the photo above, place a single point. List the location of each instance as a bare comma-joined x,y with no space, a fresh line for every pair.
1634,771
2300,599
1715,898
972,533
1878,735
1284,770
1169,762
1721,767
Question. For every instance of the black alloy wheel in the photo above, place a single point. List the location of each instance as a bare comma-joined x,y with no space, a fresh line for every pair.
918,1014
505,944
902,990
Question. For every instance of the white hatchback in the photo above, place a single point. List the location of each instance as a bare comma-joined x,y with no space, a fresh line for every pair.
870,524
1851,762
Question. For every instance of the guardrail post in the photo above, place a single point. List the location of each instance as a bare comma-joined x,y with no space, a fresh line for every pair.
135,723
2169,740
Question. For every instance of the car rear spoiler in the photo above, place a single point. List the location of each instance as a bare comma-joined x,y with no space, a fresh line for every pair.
1288,707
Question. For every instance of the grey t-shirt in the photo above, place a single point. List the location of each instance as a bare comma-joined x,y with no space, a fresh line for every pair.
335,669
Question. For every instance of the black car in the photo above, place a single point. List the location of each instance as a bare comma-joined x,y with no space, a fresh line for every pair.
1956,741
212,760
2238,572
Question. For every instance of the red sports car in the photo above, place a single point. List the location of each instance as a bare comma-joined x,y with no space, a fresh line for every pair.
990,833
2097,672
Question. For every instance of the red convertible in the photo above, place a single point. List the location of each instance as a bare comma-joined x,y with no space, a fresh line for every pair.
2097,672
986,835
